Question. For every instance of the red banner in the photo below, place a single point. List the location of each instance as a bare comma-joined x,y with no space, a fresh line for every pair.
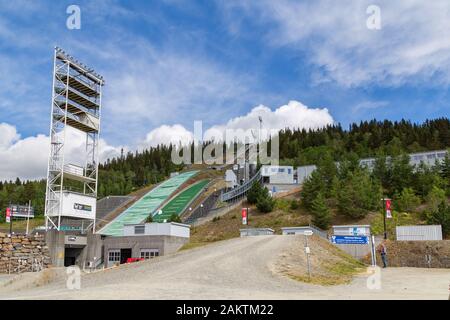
244,215
388,209
8,215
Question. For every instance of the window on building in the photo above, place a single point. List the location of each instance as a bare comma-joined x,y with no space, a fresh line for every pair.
289,171
149,253
114,256
139,230
280,170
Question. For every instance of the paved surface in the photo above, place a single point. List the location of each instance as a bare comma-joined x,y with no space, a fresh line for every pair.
233,269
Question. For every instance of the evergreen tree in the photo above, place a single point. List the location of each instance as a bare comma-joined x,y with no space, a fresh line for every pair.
255,191
311,187
441,215
321,213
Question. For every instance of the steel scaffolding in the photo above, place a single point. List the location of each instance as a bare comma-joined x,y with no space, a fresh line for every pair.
76,103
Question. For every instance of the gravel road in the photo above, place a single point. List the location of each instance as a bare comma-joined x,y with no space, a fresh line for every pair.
241,268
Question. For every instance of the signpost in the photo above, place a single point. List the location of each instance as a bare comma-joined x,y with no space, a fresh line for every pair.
308,233
8,215
387,213
349,239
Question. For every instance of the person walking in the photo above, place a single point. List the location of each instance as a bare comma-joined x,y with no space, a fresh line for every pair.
383,253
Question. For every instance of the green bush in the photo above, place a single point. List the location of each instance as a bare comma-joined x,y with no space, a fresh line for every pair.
407,201
435,197
265,204
441,216
174,218
294,205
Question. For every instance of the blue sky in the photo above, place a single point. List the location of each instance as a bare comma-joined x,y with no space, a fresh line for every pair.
172,62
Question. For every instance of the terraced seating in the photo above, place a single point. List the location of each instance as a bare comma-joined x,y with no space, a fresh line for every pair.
178,204
145,206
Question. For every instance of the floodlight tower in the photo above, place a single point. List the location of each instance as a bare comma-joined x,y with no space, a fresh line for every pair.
71,192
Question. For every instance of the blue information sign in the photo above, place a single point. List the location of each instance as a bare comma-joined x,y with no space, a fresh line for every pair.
349,240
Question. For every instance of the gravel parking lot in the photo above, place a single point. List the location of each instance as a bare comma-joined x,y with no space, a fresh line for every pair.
241,268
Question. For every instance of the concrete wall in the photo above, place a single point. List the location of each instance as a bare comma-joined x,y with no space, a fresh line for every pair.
278,174
358,251
256,232
295,230
159,229
304,173
55,243
165,244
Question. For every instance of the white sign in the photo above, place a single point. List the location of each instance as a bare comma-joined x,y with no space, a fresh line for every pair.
388,214
307,250
308,233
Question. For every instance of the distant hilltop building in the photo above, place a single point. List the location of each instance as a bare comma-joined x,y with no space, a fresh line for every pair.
428,158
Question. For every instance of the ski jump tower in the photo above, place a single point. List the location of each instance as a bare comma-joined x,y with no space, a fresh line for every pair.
71,194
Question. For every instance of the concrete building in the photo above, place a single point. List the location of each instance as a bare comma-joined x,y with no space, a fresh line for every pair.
356,250
304,173
277,174
145,241
428,158
419,233
231,179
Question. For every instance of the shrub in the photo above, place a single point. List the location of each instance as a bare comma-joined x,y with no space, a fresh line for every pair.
265,204
174,218
441,216
435,197
407,200
294,205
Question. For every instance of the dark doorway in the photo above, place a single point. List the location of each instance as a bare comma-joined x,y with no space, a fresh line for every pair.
71,256
69,261
124,255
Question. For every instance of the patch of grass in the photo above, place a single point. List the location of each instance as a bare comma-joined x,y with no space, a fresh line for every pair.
321,280
283,205
192,245
21,225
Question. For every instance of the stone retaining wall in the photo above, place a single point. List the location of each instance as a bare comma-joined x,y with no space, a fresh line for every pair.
20,253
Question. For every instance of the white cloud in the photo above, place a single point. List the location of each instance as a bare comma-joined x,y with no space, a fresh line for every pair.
27,158
165,134
368,105
293,115
412,46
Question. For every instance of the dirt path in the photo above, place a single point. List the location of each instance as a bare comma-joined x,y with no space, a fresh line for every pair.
233,269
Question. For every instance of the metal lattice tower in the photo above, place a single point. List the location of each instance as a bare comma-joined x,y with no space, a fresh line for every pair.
76,102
